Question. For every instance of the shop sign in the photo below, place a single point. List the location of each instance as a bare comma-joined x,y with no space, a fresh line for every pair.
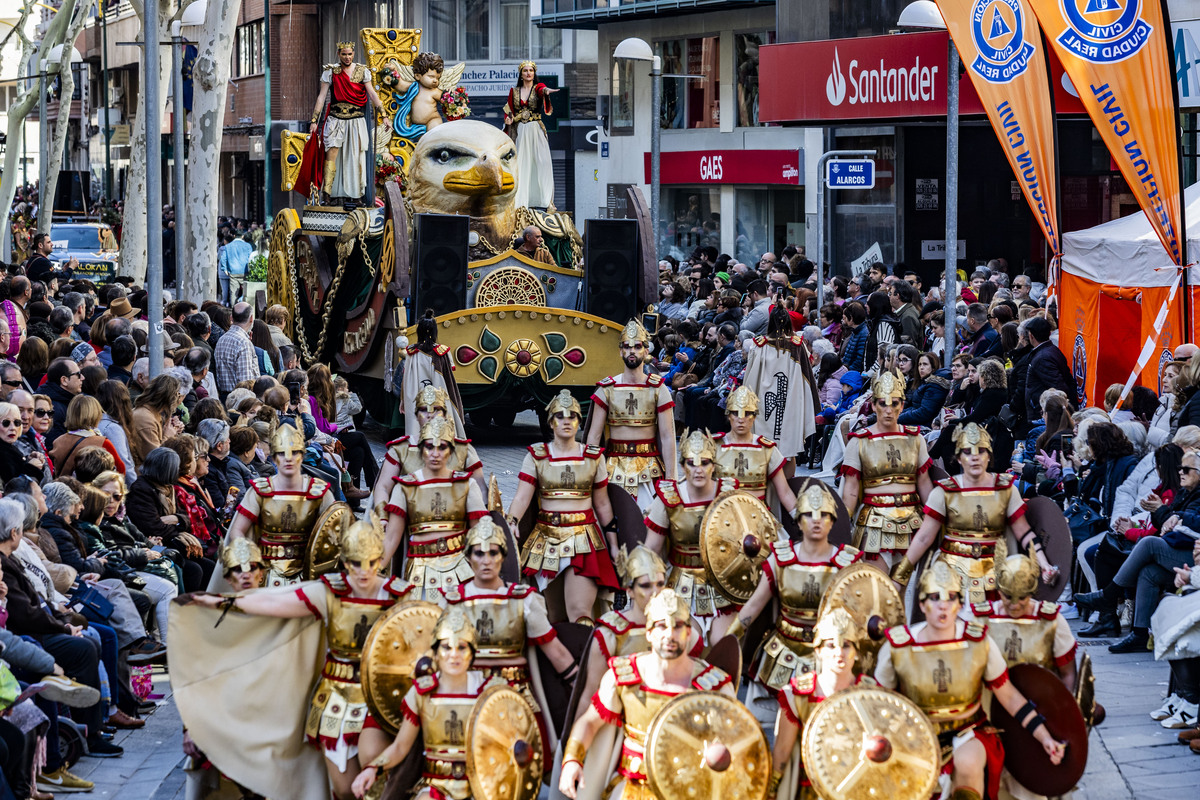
494,80
730,166
926,194
935,249
900,76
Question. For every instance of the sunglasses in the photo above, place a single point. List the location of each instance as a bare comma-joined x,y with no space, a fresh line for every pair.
1182,470
10,423
12,383
42,413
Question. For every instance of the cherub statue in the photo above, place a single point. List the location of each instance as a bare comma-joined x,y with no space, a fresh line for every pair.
421,86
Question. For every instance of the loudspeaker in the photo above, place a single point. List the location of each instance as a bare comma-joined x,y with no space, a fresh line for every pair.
440,279
610,249
71,193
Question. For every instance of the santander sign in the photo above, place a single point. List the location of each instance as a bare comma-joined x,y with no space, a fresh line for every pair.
881,82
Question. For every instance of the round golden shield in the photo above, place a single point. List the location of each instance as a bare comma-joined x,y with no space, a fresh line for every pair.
735,539
324,548
865,592
707,745
504,747
390,652
868,742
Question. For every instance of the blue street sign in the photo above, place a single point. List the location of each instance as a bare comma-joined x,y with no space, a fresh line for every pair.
856,173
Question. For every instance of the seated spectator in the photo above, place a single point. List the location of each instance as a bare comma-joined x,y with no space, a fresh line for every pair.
928,395
243,445
82,424
154,509
191,497
13,461
138,550
154,416
829,380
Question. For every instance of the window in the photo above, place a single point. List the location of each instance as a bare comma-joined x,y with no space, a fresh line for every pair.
514,30
547,43
620,121
745,50
692,217
441,26
248,50
694,101
476,17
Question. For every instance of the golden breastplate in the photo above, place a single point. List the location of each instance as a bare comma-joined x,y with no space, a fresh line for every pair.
944,679
565,478
800,591
348,620
1024,641
891,458
977,515
444,726
746,463
640,707
499,625
632,406
631,641
288,517
437,507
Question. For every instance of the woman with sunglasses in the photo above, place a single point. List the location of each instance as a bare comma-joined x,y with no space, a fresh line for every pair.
13,462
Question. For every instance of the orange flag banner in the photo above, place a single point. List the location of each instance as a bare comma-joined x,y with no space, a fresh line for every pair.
1115,52
1000,43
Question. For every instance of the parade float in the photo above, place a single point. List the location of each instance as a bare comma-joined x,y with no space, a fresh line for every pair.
517,328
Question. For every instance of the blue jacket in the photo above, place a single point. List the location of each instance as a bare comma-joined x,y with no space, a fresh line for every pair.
850,399
678,366
855,351
985,343
926,400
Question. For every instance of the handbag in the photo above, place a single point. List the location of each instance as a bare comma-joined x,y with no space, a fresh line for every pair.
90,602
1084,521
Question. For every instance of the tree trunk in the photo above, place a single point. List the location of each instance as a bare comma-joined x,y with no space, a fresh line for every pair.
210,81
133,223
77,13
16,135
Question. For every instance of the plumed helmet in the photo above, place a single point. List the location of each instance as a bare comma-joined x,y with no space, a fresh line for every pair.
362,541
485,533
666,606
639,563
286,440
939,582
432,396
634,333
837,626
1017,576
564,403
741,402
972,438
240,553
888,386
816,500
696,446
438,429
453,627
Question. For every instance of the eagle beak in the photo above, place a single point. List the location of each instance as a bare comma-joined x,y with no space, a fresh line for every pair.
486,177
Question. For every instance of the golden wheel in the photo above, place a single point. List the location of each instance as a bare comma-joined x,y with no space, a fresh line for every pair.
510,286
282,262
523,358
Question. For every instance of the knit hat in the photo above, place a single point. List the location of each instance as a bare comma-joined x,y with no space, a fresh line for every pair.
724,276
81,351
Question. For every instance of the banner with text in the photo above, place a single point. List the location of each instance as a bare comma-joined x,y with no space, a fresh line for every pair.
1001,46
1116,55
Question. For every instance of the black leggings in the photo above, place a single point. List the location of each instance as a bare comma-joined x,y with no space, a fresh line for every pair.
1186,672
196,573
15,759
359,457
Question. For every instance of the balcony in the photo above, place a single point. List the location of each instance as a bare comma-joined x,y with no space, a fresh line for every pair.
589,14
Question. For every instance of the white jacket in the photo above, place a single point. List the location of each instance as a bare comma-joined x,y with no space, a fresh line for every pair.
1140,483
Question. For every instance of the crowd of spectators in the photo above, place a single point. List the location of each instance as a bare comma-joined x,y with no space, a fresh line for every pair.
118,486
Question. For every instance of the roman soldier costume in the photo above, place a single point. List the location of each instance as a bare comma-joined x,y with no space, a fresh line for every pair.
677,517
799,587
281,520
1041,637
406,453
886,521
633,462
753,465
437,513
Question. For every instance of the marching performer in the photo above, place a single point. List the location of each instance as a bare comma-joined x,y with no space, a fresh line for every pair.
796,575
436,708
972,511
636,408
242,564
347,604
403,455
835,643
508,618
279,512
571,482
780,372
433,506
942,665
885,476
632,689
674,519
753,460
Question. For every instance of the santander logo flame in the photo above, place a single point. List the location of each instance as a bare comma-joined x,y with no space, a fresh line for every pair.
835,84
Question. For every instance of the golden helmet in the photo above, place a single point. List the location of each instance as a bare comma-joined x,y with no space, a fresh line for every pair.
972,438
241,553
666,606
432,396
696,446
634,333
438,429
362,541
564,403
939,582
741,402
1017,577
345,46
888,386
638,564
453,627
816,500
286,440
485,533
837,626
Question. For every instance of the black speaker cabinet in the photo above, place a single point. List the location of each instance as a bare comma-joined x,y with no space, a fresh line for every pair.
440,277
71,193
610,248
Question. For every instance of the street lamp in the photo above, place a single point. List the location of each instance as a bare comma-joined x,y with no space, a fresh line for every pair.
634,49
925,14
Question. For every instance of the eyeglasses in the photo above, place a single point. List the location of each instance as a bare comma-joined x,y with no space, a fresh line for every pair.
9,423
42,413
74,374
12,383
1186,470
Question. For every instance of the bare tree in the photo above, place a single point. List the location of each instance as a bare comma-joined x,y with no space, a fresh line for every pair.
77,12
